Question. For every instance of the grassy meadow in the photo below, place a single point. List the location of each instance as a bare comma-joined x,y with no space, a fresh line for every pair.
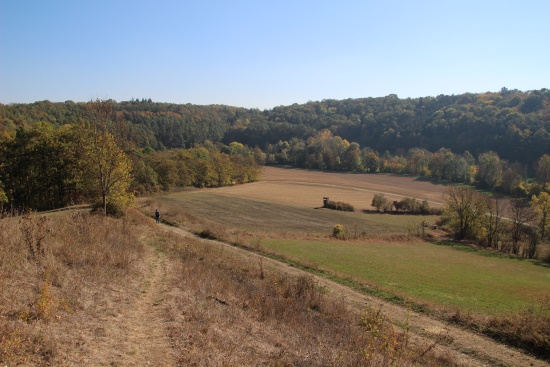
384,252
427,273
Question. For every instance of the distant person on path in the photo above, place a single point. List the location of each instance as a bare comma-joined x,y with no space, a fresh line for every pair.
157,216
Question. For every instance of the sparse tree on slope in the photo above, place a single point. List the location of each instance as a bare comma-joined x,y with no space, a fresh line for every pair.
105,168
466,208
494,223
380,202
521,216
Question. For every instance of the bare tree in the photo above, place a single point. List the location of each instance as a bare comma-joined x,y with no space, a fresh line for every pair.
521,218
495,226
466,207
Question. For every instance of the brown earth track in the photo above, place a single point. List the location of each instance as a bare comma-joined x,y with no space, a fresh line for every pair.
128,327
466,347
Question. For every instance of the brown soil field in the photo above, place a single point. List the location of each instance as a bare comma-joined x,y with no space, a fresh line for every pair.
307,188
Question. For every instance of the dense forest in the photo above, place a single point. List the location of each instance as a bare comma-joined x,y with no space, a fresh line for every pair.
512,123
496,140
93,158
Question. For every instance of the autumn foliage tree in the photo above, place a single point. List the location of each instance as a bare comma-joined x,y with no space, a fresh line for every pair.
105,167
380,202
541,205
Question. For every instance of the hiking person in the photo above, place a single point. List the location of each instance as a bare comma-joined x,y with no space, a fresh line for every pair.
157,216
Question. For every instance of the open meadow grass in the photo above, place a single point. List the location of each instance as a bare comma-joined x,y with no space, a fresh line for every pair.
441,276
505,297
390,258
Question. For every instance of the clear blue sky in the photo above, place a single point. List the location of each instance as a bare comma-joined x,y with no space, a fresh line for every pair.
263,53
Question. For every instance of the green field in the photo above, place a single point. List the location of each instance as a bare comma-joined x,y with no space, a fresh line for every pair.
436,275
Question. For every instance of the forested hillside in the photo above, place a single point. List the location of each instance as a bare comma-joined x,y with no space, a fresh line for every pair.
53,155
495,140
512,123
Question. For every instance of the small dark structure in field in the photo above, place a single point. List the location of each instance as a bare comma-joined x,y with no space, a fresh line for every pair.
325,202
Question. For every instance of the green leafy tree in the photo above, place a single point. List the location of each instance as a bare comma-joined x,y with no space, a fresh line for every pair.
371,160
490,170
541,205
37,167
380,202
166,170
438,163
351,160
418,160
543,169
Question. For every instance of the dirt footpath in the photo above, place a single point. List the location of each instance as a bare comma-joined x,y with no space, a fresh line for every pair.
127,327
465,346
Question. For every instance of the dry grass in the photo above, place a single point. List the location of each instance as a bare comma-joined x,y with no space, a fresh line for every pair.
527,330
51,268
226,311
64,277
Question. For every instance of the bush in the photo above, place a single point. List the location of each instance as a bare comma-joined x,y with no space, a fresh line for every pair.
380,202
209,234
412,206
527,330
339,231
338,205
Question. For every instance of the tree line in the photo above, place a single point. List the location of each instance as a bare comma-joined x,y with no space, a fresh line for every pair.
511,123
487,171
516,226
494,140
46,166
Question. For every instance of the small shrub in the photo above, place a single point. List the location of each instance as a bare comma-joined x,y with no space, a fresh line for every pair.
412,206
339,205
208,233
339,231
527,330
34,231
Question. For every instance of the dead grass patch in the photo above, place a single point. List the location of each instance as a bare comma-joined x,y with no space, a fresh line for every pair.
50,269
227,311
